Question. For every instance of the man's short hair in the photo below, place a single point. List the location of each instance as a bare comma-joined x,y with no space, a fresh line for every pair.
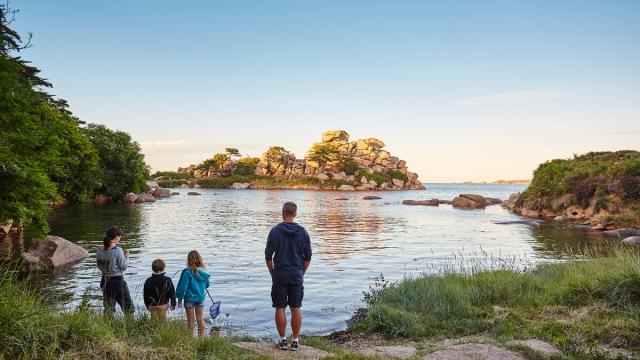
157,265
289,209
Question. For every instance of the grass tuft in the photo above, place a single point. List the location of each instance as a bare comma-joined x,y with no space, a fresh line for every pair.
596,300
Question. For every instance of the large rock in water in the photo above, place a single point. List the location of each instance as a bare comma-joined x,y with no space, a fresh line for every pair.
459,202
469,201
161,193
493,201
145,197
432,202
130,198
53,252
152,184
480,201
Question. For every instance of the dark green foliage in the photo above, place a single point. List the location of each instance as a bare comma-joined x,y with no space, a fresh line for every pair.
44,153
224,182
121,166
349,166
172,183
395,174
598,175
323,153
384,177
379,178
171,175
246,166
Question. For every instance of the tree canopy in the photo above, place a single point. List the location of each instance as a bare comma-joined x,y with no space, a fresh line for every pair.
45,153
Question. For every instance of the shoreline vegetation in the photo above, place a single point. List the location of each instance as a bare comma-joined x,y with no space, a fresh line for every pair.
585,309
599,189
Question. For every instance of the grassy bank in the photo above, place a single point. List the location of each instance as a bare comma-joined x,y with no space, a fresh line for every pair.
579,306
31,329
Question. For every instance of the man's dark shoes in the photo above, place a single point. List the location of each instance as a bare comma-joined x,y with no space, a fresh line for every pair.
282,344
295,345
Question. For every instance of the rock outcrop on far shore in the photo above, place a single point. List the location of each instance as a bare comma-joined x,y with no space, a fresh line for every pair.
334,163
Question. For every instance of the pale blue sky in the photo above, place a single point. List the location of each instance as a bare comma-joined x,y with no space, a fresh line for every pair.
463,90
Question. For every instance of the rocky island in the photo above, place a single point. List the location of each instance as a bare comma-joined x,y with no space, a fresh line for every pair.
335,163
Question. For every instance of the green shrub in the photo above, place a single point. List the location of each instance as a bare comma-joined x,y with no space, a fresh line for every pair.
224,182
379,178
246,166
121,166
349,166
395,174
585,176
172,175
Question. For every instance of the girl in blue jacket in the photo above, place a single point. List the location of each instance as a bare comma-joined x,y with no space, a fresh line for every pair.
191,288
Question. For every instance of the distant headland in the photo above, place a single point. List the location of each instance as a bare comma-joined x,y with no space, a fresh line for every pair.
335,163
507,182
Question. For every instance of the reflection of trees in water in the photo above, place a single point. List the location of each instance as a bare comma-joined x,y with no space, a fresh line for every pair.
555,240
11,246
85,225
340,232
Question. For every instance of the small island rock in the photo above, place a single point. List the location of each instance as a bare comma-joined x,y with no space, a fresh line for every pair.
130,198
161,192
145,197
240,186
480,200
431,202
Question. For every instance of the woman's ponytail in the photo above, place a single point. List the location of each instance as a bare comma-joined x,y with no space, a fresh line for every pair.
111,234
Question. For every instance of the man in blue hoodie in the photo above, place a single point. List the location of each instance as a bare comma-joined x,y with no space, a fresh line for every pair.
288,255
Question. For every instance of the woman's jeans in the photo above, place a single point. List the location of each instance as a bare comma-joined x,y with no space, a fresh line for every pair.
115,290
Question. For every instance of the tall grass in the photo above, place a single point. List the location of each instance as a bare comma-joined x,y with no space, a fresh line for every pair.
597,299
31,329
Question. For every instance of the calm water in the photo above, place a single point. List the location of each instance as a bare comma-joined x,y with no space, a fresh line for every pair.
353,241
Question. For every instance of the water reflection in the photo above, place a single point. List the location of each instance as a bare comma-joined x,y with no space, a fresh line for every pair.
353,242
11,246
557,242
336,226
